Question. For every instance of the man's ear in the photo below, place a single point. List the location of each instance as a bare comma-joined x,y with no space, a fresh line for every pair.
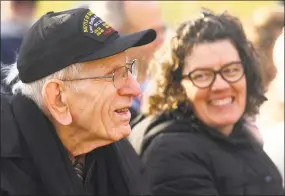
56,102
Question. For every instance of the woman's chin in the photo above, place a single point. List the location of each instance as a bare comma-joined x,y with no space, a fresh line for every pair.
226,120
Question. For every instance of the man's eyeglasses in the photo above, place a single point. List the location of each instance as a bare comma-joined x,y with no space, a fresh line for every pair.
119,75
204,78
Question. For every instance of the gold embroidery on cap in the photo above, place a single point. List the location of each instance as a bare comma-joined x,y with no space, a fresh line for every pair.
94,25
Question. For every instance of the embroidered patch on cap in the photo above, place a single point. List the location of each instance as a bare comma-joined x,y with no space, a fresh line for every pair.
94,27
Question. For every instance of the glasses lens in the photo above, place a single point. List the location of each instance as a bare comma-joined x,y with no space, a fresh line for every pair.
120,76
232,72
122,73
134,69
202,78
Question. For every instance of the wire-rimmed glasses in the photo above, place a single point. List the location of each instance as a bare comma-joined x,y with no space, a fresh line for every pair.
119,75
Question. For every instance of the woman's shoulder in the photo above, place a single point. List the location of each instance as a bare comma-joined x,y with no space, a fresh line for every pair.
163,129
146,128
160,123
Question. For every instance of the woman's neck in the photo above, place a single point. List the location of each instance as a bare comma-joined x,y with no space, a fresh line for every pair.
226,130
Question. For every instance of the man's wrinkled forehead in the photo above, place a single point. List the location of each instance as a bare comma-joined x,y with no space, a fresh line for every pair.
109,63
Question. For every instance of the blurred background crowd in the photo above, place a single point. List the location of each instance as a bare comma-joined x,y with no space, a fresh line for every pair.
262,20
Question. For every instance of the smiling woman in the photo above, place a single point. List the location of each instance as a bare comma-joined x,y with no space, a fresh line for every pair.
218,97
195,137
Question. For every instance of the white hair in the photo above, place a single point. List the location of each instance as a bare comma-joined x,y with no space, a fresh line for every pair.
33,90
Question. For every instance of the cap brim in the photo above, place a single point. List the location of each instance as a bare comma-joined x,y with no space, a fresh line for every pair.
123,43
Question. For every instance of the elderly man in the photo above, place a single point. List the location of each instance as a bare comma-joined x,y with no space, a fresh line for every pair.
63,129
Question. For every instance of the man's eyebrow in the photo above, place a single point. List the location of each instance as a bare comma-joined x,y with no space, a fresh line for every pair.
112,67
109,69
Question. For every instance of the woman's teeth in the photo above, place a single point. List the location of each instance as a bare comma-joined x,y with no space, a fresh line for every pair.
221,102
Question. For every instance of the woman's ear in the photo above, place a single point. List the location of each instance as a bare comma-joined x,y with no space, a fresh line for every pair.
55,99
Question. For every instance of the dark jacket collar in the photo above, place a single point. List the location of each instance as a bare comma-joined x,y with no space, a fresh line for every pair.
11,139
240,135
188,121
27,132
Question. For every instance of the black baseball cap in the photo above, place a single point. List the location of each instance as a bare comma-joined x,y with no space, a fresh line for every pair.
59,39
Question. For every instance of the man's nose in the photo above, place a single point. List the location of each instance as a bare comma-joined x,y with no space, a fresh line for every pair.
131,88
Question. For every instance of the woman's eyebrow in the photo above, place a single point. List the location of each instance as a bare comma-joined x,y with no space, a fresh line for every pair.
210,66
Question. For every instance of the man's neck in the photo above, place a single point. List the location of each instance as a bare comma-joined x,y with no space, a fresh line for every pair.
80,158
79,142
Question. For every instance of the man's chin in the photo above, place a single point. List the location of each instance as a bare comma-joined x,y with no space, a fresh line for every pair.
120,132
126,130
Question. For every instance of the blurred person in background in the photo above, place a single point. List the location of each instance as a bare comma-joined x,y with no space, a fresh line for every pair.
271,119
13,28
195,139
267,26
129,17
63,130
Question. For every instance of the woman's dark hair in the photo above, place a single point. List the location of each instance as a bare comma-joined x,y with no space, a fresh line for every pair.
167,92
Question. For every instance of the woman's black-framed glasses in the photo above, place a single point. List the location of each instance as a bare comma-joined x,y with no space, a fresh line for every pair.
119,75
204,78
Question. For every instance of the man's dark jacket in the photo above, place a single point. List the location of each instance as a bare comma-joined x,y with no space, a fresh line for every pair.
34,161
185,157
